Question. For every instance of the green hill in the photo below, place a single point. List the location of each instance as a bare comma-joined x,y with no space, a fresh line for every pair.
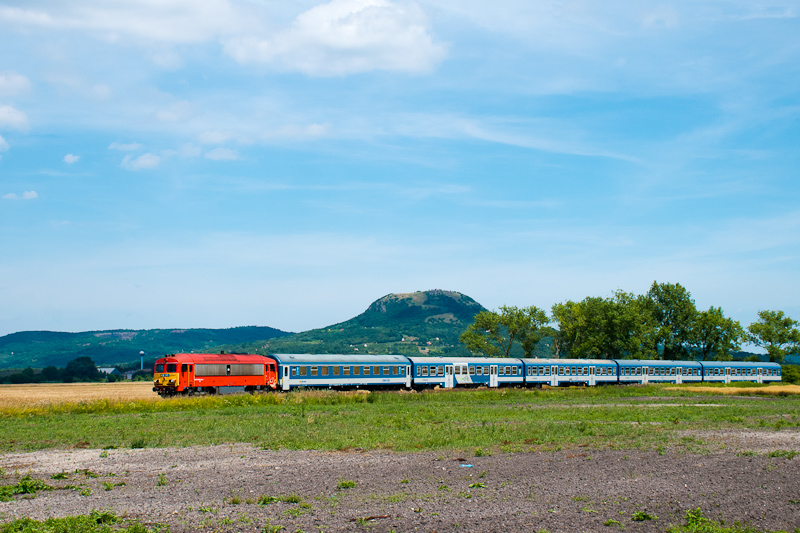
425,322
44,348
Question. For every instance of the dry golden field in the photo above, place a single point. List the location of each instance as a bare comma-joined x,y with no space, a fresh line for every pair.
36,395
771,390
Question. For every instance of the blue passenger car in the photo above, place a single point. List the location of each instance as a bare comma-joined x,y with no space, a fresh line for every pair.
448,372
555,372
342,371
730,371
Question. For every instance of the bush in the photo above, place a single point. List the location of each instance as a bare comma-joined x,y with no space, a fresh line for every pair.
790,374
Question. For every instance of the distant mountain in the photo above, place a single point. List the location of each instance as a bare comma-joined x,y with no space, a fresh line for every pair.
425,322
44,348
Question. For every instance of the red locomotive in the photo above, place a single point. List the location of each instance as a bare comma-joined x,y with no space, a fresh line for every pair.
196,373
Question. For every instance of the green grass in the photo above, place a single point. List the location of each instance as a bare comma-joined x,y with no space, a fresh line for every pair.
476,421
95,522
695,522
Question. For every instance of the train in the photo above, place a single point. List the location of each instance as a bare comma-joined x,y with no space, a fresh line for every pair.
205,373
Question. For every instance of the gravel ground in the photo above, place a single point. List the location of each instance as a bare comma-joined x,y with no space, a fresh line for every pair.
566,491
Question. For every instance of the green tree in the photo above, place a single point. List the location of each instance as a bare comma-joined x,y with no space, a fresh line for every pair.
775,332
82,369
496,333
51,373
673,313
604,328
715,336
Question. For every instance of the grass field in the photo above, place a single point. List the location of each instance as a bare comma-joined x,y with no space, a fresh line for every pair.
126,415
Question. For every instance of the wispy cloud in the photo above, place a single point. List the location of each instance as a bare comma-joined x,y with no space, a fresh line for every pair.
12,83
27,195
13,118
345,37
144,161
125,147
222,154
71,158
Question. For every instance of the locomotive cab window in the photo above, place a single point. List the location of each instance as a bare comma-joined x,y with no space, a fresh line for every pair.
184,368
172,367
159,368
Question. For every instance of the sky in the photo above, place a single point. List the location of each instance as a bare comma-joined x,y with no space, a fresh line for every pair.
177,164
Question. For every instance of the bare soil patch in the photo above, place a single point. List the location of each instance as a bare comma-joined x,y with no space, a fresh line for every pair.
566,491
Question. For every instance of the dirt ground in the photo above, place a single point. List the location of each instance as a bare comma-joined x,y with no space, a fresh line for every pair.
208,488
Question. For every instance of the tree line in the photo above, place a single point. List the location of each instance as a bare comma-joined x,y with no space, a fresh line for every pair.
77,370
664,323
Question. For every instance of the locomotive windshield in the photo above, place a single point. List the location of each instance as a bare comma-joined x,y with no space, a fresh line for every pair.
159,368
172,367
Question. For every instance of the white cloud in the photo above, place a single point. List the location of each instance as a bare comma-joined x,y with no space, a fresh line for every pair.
71,158
12,83
213,137
172,21
3,144
222,154
124,147
27,195
345,37
13,118
102,91
144,161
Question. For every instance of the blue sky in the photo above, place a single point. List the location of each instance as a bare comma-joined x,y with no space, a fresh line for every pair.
174,163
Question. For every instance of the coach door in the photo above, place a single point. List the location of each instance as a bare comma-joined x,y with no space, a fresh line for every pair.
493,376
448,376
592,376
760,373
408,377
727,375
554,376
285,380
184,379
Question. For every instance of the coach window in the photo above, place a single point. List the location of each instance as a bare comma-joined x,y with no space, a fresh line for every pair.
387,370
355,369
586,371
472,371
419,371
424,370
303,370
366,371
440,371
546,371
561,371
401,370
314,370
478,370
335,370
324,370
